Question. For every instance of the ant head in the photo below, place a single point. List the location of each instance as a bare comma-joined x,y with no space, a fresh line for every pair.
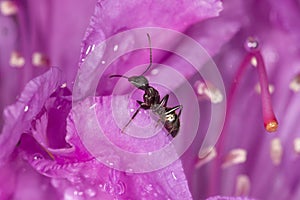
139,81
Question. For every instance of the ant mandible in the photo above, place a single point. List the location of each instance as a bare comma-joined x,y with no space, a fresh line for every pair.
153,102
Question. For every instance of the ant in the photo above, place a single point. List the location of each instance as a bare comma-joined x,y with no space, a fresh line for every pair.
153,102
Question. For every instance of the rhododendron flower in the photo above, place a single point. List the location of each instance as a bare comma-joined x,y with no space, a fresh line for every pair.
64,142
40,140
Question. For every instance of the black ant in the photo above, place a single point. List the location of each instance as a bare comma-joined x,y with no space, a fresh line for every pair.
153,102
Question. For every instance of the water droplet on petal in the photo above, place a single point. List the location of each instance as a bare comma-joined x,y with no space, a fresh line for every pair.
38,156
251,44
120,188
108,188
103,62
26,108
90,49
116,47
90,192
149,188
174,176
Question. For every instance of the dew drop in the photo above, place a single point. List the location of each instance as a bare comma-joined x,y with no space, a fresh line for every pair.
64,85
38,156
149,188
174,176
108,188
129,172
103,62
26,108
251,44
90,192
116,47
120,188
89,49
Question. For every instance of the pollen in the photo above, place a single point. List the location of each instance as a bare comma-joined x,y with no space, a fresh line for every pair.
235,156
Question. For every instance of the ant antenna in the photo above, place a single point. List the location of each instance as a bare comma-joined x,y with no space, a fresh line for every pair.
149,41
150,47
113,76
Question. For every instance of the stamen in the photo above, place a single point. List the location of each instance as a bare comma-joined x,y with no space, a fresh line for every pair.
235,156
8,8
255,58
276,151
295,83
270,121
242,185
16,59
210,154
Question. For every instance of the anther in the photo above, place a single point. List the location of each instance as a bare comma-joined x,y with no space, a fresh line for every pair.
210,154
8,8
235,156
297,145
242,185
276,151
271,88
295,83
39,59
16,59
209,91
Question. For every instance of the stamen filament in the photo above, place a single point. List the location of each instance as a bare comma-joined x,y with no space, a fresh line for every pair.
270,121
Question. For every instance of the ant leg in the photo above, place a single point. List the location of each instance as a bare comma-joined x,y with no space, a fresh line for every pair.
164,101
133,116
174,109
142,105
